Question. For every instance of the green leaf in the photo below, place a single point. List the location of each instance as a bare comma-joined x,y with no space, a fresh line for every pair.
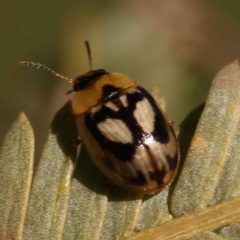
87,201
213,156
16,166
47,208
154,210
121,215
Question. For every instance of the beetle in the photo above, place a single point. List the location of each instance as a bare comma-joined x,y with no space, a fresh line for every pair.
125,131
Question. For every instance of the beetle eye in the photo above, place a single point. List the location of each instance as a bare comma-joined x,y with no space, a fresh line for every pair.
82,83
85,80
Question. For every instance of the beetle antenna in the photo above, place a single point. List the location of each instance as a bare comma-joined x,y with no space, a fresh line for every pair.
39,65
89,53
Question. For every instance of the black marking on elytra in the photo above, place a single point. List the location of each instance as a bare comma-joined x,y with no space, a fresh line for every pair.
118,103
160,132
109,164
172,161
109,92
140,180
151,158
125,152
85,80
158,176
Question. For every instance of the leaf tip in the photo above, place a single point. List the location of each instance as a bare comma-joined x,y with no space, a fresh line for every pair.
22,117
236,62
23,120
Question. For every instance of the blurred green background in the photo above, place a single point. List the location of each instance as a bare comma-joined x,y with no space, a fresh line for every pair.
177,45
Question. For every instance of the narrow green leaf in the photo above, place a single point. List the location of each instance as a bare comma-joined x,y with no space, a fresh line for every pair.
121,216
16,166
154,210
229,182
211,144
87,201
47,207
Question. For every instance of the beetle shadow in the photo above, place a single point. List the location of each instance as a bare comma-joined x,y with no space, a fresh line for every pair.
187,130
88,174
64,127
186,133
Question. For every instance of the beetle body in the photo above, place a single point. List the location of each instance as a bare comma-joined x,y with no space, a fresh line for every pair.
125,131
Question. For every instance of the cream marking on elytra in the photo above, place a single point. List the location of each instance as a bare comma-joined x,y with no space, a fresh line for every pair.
123,99
142,161
159,155
132,90
144,115
95,109
108,129
112,106
171,147
160,152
